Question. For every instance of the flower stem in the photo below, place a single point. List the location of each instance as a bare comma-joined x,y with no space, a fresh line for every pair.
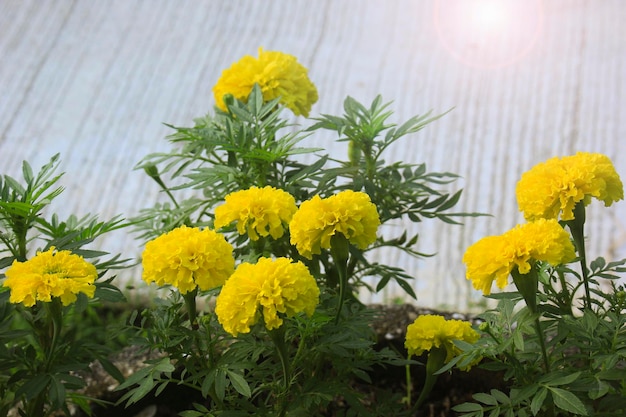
340,250
409,384
542,344
436,359
278,338
190,303
577,228
527,285
50,333
153,173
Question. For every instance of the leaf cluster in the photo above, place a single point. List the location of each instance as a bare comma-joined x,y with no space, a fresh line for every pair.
242,376
252,145
586,349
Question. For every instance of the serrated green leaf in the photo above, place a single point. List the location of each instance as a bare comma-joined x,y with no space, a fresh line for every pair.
599,389
468,408
562,380
56,392
500,396
239,383
220,383
567,401
141,391
485,398
33,386
538,400
191,413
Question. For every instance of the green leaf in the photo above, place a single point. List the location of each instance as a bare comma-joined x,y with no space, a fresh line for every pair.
111,369
33,386
599,390
27,172
220,383
141,391
469,408
406,287
57,392
567,401
239,383
108,292
538,400
500,396
562,380
485,398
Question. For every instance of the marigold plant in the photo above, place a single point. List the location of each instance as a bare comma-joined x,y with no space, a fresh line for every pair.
257,211
494,257
553,188
271,287
188,258
279,75
50,274
350,213
241,170
433,331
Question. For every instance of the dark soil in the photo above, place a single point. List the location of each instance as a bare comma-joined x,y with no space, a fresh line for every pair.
451,388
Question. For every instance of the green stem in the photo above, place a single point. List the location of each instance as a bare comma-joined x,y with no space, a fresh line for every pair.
190,303
55,311
577,228
409,384
340,250
20,230
542,344
527,285
436,359
50,334
567,302
153,173
278,338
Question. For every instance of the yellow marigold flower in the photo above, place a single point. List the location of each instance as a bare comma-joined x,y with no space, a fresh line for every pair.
259,211
271,287
555,186
433,331
187,258
50,274
493,257
350,213
277,74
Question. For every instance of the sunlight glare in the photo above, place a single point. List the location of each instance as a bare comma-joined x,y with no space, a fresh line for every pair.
488,33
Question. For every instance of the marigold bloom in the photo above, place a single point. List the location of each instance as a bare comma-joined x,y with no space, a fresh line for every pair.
555,186
433,331
269,287
350,213
50,274
187,258
277,74
259,211
494,257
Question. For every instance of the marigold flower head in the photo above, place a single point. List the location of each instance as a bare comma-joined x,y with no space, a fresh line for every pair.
259,211
277,74
350,213
555,186
188,258
50,274
271,288
493,257
433,331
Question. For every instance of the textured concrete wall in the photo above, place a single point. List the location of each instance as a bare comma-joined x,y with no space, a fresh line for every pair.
531,80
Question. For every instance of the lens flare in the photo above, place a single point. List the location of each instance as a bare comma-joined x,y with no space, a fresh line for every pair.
488,33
